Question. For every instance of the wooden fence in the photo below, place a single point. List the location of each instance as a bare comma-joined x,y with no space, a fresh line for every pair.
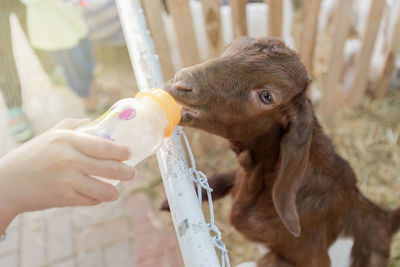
332,91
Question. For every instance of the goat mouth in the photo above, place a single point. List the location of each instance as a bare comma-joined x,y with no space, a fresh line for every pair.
187,112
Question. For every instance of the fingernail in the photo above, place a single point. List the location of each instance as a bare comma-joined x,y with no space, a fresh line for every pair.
128,152
116,196
130,173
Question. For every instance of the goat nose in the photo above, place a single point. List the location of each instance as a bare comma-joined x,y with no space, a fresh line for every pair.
181,86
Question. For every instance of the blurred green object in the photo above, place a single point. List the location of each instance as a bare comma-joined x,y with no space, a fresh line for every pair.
19,128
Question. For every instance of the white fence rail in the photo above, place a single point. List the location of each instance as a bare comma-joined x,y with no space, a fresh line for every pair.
196,244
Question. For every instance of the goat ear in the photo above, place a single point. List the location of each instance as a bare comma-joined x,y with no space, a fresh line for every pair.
293,159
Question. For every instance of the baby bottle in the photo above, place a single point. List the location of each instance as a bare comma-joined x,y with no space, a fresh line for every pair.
141,123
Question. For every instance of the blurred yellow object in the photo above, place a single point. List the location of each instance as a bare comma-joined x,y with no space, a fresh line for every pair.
53,25
167,103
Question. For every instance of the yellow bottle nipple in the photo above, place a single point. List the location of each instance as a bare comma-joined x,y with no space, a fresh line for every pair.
167,103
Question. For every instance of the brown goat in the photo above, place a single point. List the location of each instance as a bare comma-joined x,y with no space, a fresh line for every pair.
291,191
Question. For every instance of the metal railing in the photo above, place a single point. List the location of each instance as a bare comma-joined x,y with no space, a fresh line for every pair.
196,244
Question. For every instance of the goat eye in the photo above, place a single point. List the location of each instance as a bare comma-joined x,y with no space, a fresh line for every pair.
266,97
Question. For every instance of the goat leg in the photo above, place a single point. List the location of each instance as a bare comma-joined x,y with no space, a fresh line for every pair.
221,183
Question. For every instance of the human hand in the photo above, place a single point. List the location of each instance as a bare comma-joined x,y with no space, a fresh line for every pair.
55,169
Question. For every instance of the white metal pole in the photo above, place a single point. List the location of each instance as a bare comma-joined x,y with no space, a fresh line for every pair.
196,245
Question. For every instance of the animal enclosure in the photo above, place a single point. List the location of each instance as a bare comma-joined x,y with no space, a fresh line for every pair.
349,49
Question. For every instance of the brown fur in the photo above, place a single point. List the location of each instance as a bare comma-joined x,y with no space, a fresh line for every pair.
291,191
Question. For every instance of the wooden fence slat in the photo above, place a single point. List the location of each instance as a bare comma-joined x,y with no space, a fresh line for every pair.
212,19
308,40
180,12
153,11
275,13
363,59
239,22
384,79
330,96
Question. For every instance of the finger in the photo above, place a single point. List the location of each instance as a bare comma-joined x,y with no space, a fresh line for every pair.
95,189
99,148
77,199
107,168
70,124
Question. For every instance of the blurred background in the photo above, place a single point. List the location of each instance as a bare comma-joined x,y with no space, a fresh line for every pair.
67,58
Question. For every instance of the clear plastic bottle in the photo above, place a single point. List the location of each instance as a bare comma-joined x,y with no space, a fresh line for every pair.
141,123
